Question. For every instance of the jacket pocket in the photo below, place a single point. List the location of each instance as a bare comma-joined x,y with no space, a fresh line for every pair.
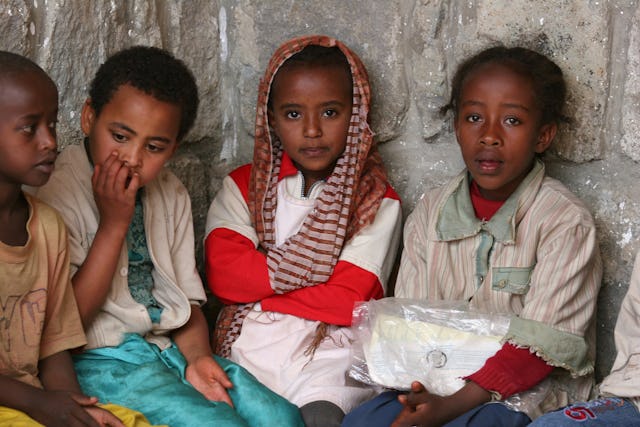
514,280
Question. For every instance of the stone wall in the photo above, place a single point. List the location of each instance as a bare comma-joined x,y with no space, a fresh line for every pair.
411,49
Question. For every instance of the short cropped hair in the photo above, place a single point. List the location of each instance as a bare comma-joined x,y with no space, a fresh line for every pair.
549,87
11,63
153,71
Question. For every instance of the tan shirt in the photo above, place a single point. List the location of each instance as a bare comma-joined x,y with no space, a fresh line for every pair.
537,258
38,312
624,379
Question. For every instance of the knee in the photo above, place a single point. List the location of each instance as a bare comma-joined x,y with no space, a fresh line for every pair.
321,413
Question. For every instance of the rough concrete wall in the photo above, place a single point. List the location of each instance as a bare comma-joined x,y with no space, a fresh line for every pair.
411,49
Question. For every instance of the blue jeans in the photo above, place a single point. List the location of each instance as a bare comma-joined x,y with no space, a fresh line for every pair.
383,409
606,411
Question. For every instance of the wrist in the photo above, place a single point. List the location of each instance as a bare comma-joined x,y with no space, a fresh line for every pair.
114,230
33,400
471,395
192,358
459,403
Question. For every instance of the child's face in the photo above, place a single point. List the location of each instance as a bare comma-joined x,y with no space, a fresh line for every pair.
310,114
28,116
498,129
141,129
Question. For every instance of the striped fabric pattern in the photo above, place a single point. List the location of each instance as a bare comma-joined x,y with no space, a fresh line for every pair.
551,238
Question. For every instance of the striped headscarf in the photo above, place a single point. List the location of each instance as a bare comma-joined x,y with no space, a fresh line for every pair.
347,203
350,197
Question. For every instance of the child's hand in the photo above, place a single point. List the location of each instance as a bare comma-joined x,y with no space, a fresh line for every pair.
63,409
422,408
206,376
103,417
114,189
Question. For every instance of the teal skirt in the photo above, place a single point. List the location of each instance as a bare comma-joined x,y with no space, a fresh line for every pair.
136,374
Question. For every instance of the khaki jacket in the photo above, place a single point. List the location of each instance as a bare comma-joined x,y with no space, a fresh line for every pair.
537,259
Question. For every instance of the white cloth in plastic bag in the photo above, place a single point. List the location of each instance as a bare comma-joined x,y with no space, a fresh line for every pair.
398,341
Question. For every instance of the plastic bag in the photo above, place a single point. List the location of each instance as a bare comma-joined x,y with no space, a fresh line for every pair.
398,341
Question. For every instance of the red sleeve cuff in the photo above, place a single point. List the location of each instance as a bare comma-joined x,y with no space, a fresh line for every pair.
510,371
333,301
235,271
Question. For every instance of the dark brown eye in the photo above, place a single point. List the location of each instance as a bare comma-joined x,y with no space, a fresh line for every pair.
28,129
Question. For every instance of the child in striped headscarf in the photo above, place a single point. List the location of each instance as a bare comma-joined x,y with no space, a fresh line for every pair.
309,228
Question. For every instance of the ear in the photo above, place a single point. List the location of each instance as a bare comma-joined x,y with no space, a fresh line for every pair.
87,117
546,134
174,148
455,128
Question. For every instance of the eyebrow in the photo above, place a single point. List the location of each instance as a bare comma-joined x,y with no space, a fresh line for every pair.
31,116
324,104
128,129
506,104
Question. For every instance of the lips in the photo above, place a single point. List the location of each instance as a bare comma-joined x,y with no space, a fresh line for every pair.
488,163
48,164
45,167
313,151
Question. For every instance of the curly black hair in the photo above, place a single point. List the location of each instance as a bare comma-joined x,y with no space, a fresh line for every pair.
545,75
155,72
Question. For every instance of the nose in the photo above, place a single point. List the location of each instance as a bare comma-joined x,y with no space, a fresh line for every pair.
131,154
491,134
48,140
312,127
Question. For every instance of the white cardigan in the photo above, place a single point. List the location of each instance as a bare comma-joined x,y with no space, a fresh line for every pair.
169,228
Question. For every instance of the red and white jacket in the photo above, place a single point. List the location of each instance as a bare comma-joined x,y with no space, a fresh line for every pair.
237,271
